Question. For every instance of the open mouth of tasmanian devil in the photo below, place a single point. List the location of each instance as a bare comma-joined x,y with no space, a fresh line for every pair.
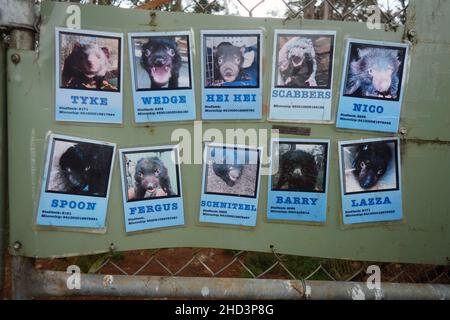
161,74
296,60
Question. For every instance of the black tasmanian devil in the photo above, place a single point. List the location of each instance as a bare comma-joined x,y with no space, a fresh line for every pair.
84,169
371,162
298,171
88,66
151,179
162,61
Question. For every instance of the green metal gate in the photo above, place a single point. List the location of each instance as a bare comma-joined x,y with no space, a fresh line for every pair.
424,236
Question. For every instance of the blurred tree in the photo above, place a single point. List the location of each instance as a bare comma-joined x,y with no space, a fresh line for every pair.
352,10
204,6
199,6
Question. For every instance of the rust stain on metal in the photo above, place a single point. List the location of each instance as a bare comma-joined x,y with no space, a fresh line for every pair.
153,4
152,22
436,141
297,288
301,131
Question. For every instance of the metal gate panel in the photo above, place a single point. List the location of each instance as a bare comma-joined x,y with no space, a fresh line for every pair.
423,237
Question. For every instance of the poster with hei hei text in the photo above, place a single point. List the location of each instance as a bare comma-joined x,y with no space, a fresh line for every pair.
302,75
370,180
372,87
76,183
89,76
162,76
230,186
297,189
151,188
231,74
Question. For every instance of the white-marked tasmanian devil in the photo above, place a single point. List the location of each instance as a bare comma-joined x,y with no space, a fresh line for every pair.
84,169
162,61
297,63
371,162
151,179
374,73
230,62
88,66
298,171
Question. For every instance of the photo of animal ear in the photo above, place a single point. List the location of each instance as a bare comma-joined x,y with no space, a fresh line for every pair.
370,166
374,72
232,171
304,61
162,62
151,175
301,167
79,168
231,61
89,62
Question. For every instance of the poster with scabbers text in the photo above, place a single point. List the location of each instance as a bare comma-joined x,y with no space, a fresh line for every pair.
230,188
89,76
299,180
151,188
302,75
370,180
372,86
76,182
162,76
231,74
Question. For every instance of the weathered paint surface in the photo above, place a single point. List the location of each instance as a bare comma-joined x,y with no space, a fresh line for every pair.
423,237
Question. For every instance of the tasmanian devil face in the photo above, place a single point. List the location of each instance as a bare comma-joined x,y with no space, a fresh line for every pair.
229,60
161,60
229,173
371,162
151,176
147,175
85,167
75,166
297,52
298,170
92,60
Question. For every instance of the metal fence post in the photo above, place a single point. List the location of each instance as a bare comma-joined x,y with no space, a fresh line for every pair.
3,193
22,272
17,24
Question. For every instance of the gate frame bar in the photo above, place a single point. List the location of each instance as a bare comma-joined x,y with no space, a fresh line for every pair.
30,283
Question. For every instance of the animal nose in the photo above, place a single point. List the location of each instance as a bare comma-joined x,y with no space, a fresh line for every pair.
160,60
367,182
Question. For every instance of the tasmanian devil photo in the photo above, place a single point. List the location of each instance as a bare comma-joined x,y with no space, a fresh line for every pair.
230,62
88,66
371,162
297,171
229,173
162,61
297,63
374,73
84,169
151,179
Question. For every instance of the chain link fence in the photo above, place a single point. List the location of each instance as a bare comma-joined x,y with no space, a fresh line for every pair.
243,264
392,12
